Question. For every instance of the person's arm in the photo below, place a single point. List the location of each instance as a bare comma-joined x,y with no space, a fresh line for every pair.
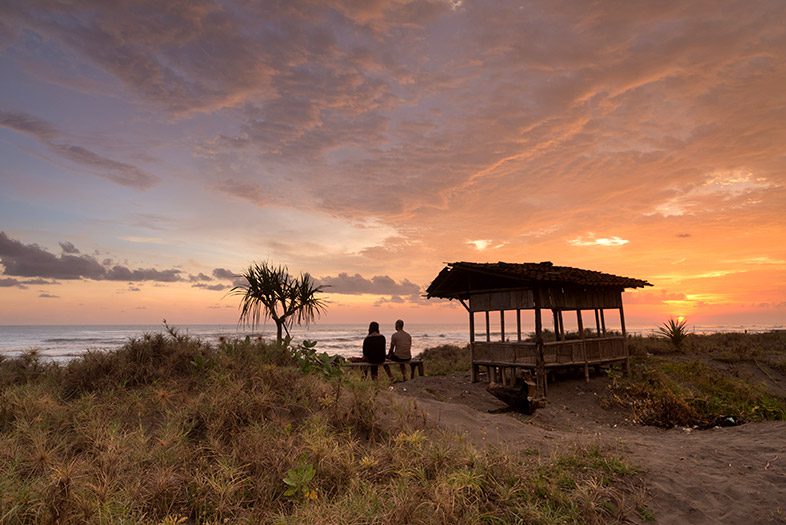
392,344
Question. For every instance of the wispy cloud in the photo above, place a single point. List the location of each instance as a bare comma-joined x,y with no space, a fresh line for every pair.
344,283
119,172
591,240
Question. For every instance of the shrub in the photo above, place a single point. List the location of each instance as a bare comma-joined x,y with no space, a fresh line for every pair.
675,331
445,359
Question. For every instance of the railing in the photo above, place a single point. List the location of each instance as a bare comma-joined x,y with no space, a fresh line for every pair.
506,352
575,351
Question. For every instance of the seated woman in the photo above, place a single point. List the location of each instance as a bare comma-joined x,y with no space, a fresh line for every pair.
374,348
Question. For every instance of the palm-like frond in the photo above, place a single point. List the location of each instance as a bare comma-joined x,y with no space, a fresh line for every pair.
270,291
675,331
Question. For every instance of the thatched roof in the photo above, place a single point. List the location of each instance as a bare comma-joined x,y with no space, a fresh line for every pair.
460,279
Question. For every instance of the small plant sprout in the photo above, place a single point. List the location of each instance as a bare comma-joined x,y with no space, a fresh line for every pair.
675,331
299,479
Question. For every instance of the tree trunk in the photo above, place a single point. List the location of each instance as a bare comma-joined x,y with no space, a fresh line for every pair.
279,333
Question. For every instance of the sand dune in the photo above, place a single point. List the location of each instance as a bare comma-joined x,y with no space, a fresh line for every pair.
723,475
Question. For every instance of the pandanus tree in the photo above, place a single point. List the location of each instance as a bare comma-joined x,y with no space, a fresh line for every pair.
270,291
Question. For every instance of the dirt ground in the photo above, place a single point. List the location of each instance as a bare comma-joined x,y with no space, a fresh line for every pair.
721,475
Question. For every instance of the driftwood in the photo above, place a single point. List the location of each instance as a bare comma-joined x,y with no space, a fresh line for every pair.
516,397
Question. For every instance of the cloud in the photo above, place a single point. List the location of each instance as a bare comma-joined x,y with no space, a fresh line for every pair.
30,260
29,125
122,273
118,172
718,190
68,248
591,240
344,283
199,277
215,287
223,273
10,282
480,244
44,295
249,191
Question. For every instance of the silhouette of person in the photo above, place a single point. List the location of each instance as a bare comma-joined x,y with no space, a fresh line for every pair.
374,348
401,347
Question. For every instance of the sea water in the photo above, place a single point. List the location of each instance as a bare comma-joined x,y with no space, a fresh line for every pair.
65,342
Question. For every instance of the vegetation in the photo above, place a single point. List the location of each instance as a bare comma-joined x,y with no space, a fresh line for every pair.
272,292
714,377
718,376
171,430
675,331
445,359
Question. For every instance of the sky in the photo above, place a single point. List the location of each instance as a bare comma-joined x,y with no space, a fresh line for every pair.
150,151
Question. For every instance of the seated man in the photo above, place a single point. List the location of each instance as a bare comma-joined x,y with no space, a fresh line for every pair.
400,347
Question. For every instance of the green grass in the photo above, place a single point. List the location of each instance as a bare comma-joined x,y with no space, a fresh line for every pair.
171,430
707,379
445,359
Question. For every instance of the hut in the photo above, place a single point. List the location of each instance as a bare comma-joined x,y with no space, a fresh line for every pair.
532,288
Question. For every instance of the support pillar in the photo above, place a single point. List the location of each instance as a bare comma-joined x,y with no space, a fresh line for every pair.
624,340
473,374
580,322
541,362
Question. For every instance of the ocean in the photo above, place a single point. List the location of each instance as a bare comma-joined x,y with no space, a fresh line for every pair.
65,342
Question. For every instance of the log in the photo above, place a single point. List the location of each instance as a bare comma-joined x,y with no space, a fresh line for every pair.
516,397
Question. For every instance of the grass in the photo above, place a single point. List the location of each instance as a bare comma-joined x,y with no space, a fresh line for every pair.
169,429
445,359
708,377
703,379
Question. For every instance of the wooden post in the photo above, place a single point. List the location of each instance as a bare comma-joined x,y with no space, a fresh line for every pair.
603,321
473,374
561,326
541,364
580,322
488,328
624,339
518,324
597,322
556,324
502,325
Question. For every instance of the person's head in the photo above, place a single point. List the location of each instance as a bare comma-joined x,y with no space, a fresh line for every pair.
399,325
373,327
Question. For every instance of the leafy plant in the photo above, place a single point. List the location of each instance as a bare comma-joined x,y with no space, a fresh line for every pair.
675,331
299,479
324,364
272,292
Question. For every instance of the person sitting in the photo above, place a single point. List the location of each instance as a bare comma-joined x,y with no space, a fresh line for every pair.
401,348
374,348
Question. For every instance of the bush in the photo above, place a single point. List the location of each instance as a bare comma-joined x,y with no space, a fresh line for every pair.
445,359
171,430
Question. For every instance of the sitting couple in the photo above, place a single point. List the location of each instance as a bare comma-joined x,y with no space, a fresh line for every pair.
400,349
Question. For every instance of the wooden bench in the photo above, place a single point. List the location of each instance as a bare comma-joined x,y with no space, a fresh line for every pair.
414,364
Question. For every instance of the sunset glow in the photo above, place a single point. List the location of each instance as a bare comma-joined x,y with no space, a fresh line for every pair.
151,151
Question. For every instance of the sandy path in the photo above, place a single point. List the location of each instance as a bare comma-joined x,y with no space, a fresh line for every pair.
724,475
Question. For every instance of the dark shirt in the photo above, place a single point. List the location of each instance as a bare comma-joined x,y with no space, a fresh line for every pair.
374,348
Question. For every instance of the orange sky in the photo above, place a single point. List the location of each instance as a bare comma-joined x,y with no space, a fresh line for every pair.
150,155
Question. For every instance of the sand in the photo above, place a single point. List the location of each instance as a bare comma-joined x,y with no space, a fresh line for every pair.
721,475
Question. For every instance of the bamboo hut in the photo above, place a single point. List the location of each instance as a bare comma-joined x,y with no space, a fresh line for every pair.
532,289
